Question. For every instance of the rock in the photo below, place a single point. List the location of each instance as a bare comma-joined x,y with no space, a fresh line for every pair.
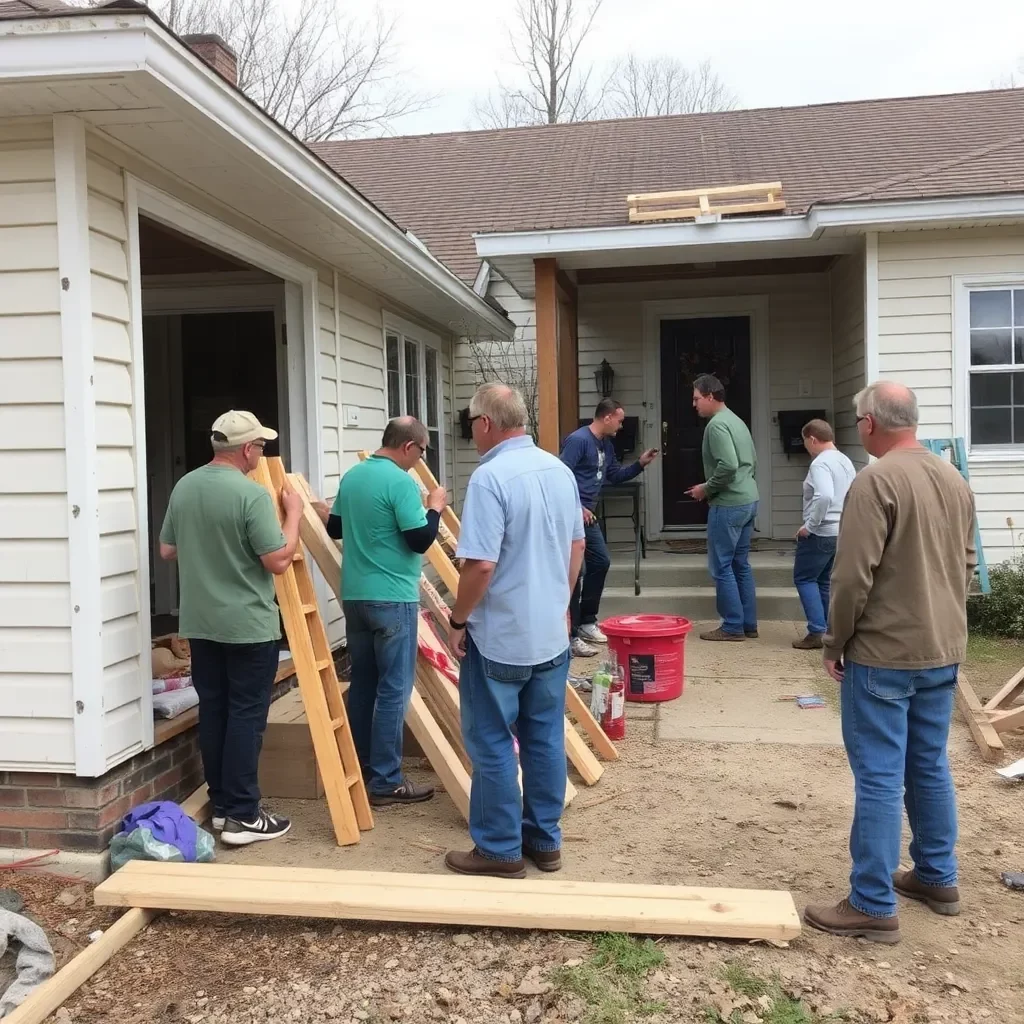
533,1012
71,896
574,962
532,987
463,940
390,965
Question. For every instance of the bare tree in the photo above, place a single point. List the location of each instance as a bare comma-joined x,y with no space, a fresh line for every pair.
552,87
508,362
320,74
1014,80
663,85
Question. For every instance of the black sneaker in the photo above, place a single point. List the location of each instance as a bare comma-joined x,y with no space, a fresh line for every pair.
266,826
407,793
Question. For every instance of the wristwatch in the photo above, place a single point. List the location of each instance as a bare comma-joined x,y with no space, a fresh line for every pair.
456,625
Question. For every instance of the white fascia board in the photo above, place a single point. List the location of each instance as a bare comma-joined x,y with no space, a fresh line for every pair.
805,227
125,42
483,279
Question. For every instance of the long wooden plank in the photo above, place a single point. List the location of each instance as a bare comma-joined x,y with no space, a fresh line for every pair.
455,900
1006,693
197,805
429,481
590,725
718,190
49,996
1008,720
439,751
582,756
987,739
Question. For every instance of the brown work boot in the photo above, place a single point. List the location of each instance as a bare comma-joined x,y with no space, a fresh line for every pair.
546,860
751,634
475,863
811,642
844,920
720,634
407,793
942,899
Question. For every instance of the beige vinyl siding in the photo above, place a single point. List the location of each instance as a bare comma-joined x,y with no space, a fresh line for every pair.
848,351
125,671
36,702
916,272
611,326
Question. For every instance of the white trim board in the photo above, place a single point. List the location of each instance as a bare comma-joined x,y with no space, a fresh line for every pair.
756,308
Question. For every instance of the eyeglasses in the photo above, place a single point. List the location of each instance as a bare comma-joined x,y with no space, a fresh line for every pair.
859,418
473,419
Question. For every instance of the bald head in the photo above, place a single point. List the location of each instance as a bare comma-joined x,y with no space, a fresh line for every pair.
403,430
892,406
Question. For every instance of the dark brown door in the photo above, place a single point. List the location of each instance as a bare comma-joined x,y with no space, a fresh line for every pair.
718,345
228,361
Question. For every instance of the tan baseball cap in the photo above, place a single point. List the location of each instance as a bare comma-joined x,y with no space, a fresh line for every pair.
237,427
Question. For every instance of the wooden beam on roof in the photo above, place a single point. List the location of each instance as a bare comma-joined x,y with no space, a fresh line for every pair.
546,282
698,271
568,366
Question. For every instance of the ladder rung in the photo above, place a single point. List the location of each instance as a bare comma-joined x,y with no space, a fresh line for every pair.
337,723
321,665
308,609
351,780
298,557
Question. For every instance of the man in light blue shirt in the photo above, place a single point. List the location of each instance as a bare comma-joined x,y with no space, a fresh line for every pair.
522,540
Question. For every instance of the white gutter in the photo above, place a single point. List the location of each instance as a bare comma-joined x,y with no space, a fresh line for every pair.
803,227
125,42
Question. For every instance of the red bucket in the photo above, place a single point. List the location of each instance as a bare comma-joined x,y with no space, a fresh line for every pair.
650,650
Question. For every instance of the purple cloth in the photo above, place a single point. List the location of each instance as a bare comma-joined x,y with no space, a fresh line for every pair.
167,822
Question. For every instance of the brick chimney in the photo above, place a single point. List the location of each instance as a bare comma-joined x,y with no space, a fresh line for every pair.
215,52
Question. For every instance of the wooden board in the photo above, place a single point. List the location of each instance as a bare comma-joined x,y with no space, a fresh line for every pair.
56,990
442,757
1006,693
1008,720
590,725
342,777
449,899
989,743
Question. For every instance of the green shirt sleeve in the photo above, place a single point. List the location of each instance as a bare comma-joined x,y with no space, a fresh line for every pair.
261,525
724,456
407,503
167,530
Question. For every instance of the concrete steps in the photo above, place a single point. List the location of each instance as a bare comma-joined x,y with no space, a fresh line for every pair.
680,585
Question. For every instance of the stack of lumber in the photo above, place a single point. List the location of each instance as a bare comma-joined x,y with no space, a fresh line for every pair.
1003,712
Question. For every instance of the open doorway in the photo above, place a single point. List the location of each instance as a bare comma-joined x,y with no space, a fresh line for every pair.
213,340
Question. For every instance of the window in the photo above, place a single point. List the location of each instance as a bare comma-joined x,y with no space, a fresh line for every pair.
414,385
996,367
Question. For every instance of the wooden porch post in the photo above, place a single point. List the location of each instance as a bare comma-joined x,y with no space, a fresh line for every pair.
568,358
546,303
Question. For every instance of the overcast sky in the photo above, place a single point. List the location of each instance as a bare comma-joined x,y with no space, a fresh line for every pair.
769,54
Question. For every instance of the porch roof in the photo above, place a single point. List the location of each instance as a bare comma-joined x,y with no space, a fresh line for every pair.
140,87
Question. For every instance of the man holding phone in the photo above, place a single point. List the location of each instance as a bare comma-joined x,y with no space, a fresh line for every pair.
590,454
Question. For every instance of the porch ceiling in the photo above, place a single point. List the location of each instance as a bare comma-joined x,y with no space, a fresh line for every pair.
141,89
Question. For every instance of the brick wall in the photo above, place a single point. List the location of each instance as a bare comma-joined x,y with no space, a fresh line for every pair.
43,811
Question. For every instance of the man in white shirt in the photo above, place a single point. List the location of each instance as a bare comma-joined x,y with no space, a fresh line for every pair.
825,486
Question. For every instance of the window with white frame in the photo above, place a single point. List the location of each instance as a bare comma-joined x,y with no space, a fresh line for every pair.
996,366
414,386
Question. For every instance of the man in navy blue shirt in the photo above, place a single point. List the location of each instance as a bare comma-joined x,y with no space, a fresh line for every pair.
590,454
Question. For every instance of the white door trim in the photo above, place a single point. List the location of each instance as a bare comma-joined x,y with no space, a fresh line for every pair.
301,317
756,308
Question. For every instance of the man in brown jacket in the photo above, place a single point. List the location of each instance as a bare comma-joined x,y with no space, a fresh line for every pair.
897,634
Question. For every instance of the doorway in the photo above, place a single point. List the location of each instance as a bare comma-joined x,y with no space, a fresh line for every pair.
690,346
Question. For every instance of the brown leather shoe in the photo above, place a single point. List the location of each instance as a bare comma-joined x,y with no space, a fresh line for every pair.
720,634
942,899
811,642
546,860
474,863
845,921
407,793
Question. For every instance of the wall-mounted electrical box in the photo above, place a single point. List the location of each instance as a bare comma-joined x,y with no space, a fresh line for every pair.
791,422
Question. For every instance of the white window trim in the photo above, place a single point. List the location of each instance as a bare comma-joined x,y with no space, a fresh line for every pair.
962,287
407,330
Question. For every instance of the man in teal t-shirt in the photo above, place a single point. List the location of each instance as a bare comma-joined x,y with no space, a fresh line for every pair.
386,531
730,488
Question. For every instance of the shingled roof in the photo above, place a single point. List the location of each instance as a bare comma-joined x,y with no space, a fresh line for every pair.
446,187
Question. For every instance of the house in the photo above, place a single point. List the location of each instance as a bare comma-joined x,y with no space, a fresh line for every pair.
167,251
898,253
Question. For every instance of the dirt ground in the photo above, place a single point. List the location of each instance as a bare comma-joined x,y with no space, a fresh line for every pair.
739,814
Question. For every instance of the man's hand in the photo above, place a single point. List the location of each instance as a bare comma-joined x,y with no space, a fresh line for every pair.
437,499
834,669
322,509
291,501
588,517
648,456
698,493
457,641
803,532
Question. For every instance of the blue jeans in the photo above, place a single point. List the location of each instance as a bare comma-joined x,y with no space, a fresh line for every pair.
234,683
729,530
495,697
895,727
382,646
812,574
585,603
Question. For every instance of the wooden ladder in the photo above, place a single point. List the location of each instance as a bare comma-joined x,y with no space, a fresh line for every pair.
329,728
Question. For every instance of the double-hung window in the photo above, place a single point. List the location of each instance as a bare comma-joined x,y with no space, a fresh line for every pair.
414,382
994,349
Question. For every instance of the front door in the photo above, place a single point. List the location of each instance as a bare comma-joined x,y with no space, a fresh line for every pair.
690,347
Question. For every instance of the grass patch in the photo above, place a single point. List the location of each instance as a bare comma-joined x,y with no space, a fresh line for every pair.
780,1009
610,982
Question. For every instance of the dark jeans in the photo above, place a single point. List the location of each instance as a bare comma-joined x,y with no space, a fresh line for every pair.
234,683
586,596
812,575
382,645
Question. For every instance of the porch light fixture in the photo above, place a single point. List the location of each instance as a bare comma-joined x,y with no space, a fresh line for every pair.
604,376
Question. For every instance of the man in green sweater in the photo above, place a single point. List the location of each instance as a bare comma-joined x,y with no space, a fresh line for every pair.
730,489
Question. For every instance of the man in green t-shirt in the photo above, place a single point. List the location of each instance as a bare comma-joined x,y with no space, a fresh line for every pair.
730,489
386,532
222,529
